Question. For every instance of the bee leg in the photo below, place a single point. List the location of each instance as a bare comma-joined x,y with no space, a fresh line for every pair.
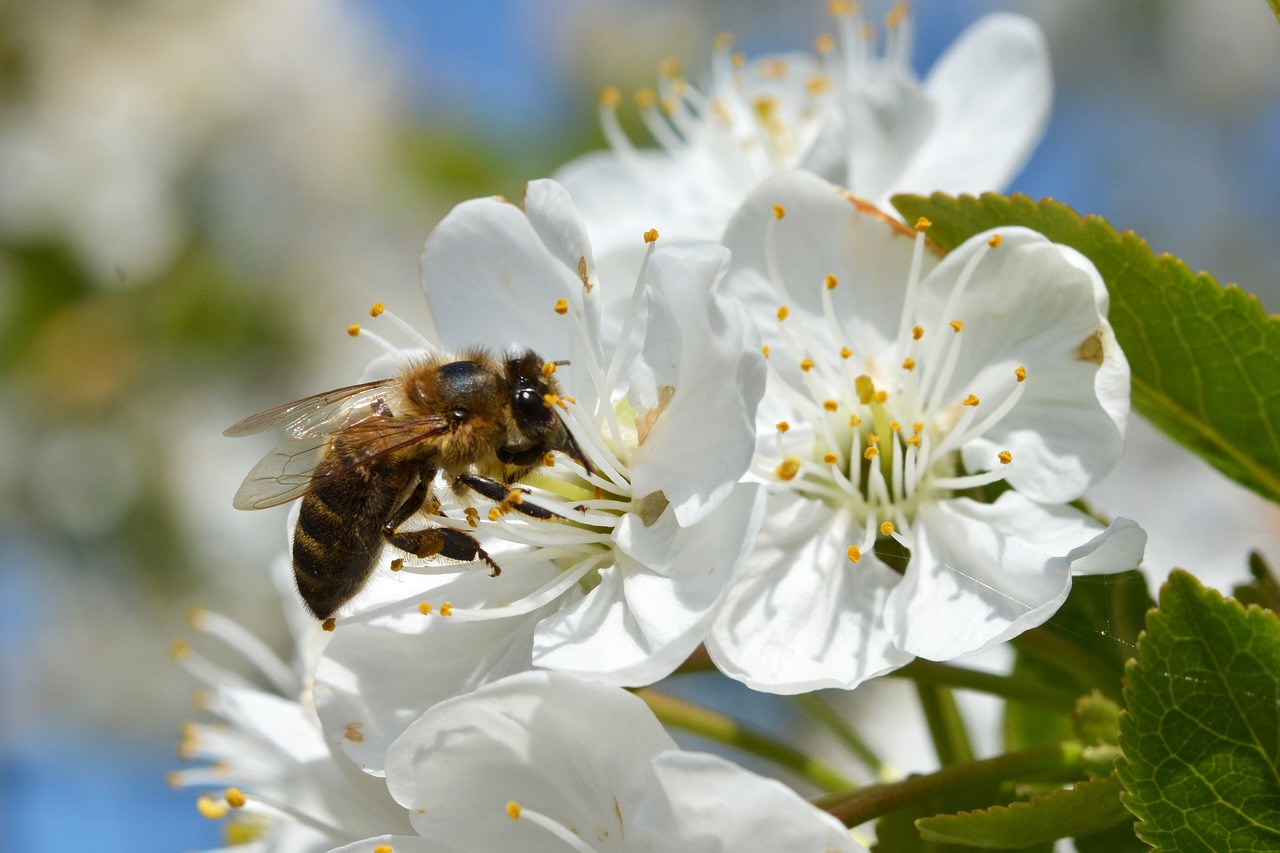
504,494
442,542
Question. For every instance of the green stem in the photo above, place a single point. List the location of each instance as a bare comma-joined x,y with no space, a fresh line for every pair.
1049,697
950,738
724,729
1079,663
824,715
876,800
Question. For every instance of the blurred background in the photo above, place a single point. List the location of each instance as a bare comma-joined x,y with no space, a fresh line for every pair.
197,198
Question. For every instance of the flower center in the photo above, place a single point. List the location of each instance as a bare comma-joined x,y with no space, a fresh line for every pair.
880,430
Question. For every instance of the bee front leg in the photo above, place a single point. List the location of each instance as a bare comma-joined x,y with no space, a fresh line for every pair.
503,494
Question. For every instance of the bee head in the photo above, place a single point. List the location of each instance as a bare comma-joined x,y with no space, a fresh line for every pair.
533,397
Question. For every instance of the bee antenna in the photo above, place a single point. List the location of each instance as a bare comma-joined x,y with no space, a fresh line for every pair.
564,362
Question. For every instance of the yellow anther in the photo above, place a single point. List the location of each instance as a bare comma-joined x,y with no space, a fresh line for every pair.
651,236
235,798
806,364
610,97
737,60
971,400
211,808
446,608
957,325
917,426
830,458
923,224
894,426
562,306
723,41
788,469
765,349
783,311
550,399
515,496
871,453
425,608
1021,373
817,84
881,396
495,513
783,426
917,332
644,97
179,649
353,330
865,389
513,810
855,421
1005,457
195,617
779,211
886,529
824,44
830,405
384,848
173,779
841,7
377,309
397,564
774,68
896,14
549,369
669,66
914,440
830,281
845,352
995,241
854,553
908,364
867,32
873,439
329,624
548,461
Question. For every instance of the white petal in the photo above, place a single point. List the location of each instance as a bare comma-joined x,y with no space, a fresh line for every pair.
374,680
491,281
983,573
1034,303
992,91
398,843
699,803
887,118
638,624
536,739
700,351
823,232
802,616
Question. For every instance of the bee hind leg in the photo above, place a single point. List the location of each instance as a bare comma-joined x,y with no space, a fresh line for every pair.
442,542
501,493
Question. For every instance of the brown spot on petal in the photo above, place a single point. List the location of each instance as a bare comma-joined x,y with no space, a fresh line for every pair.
646,420
582,272
1090,349
352,732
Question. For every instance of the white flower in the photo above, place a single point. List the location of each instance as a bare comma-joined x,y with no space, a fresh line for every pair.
899,386
547,762
624,586
267,765
854,115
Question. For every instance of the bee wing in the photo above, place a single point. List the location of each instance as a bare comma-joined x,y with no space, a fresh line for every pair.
302,463
321,414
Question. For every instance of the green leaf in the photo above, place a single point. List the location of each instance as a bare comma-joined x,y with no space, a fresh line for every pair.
1205,359
1087,808
1201,733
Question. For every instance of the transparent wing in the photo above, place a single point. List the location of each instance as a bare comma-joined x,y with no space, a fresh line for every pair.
309,459
322,414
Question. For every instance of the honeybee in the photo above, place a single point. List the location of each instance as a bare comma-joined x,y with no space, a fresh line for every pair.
364,460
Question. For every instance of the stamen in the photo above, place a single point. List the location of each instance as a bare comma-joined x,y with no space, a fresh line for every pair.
788,469
263,805
854,553
380,310
516,812
633,308
357,331
250,647
543,595
971,481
